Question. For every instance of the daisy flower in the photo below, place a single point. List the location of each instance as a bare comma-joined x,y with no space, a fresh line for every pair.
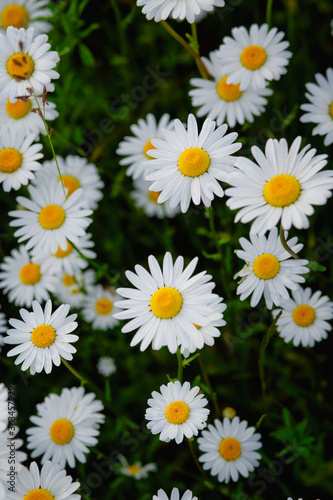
167,305
24,14
65,426
25,63
50,219
42,337
176,411
3,329
51,482
76,173
135,148
137,470
225,102
182,9
188,164
106,366
147,200
20,114
9,450
283,185
269,268
17,158
254,56
161,495
99,309
229,449
320,109
304,318
26,278
72,288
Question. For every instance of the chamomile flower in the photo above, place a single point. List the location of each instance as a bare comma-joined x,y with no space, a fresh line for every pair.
136,470
161,495
26,278
304,318
50,219
3,329
229,449
269,268
320,109
64,426
42,337
135,148
9,450
255,56
106,366
283,185
99,309
147,200
167,305
176,412
18,158
76,173
51,482
72,288
21,115
25,14
187,164
225,102
182,9
25,63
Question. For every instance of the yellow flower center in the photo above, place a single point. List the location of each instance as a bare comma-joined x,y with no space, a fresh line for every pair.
103,306
20,66
177,412
230,449
43,336
62,431
39,494
63,253
282,190
330,110
193,162
229,412
18,109
30,274
253,57
133,469
68,280
14,15
266,266
10,160
147,147
166,302
71,183
52,217
153,195
228,91
304,315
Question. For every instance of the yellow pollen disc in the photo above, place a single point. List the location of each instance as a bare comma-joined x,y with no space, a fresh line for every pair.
63,253
68,280
229,412
330,110
177,412
14,15
52,217
228,91
39,494
193,162
266,266
253,57
43,336
20,66
166,302
103,306
230,449
304,315
62,431
71,183
30,274
18,109
133,469
147,147
282,190
153,195
10,160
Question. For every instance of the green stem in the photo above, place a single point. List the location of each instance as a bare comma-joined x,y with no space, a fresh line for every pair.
285,244
200,469
269,7
94,264
195,36
180,365
201,66
121,35
74,372
212,394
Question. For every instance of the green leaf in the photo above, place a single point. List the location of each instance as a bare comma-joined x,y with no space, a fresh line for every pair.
86,55
313,265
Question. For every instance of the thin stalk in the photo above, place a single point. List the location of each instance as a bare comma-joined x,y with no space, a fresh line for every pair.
285,244
121,35
93,263
205,377
180,365
195,35
200,469
269,7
